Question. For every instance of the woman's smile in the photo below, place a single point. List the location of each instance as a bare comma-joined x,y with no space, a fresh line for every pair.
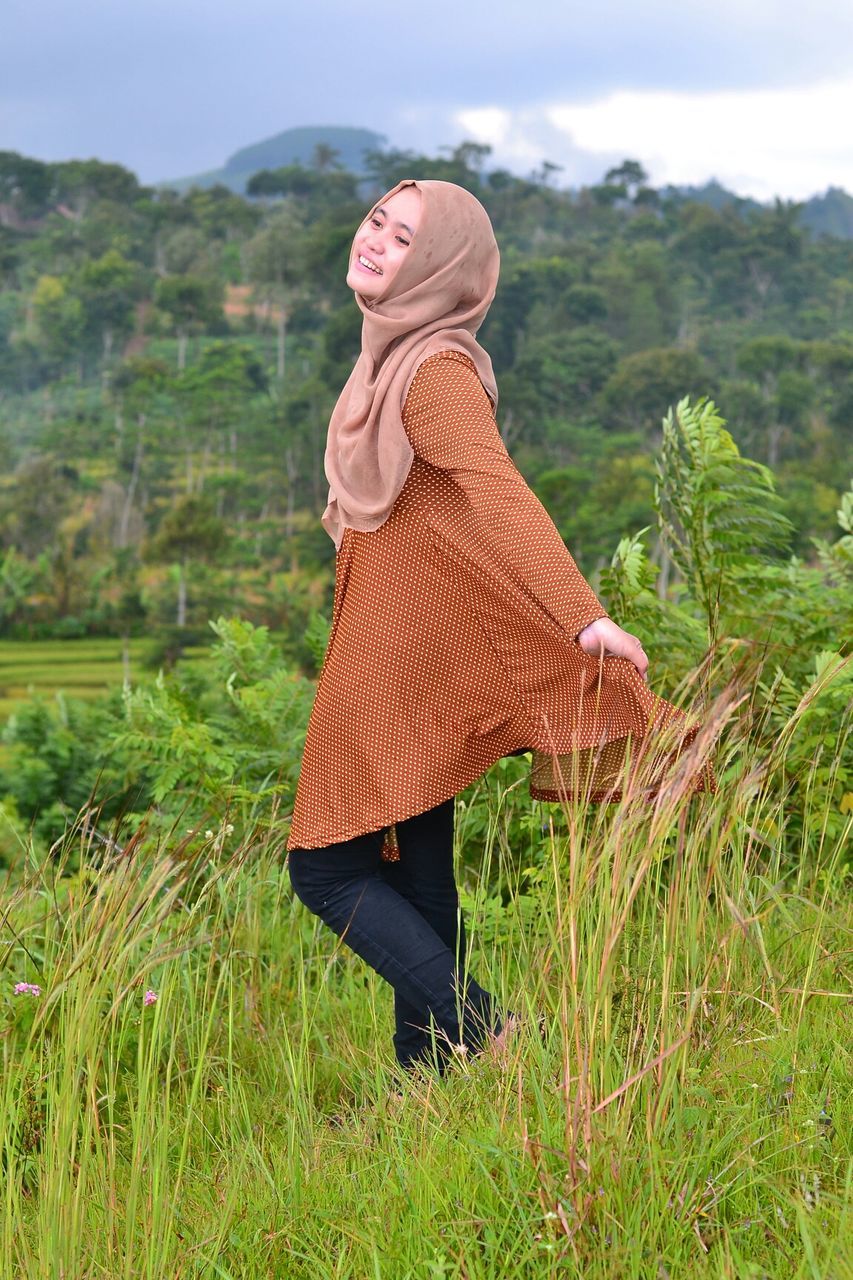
364,263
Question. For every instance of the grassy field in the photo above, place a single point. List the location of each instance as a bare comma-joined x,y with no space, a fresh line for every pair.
687,1114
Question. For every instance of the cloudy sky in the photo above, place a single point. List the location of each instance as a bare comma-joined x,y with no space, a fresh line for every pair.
757,93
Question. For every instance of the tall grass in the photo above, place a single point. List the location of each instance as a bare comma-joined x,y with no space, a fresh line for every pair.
687,1112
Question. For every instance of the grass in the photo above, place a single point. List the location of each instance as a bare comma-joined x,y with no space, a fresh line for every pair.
688,1112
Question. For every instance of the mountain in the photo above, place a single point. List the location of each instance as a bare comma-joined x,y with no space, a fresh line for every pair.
293,146
830,214
713,193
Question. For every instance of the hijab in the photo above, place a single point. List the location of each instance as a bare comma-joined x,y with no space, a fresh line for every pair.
436,301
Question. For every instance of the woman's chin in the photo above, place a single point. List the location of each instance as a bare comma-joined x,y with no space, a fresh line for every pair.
368,286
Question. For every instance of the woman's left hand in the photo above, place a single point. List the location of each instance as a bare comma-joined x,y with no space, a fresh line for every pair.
604,636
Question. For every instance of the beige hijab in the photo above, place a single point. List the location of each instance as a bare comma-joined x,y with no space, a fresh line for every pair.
437,300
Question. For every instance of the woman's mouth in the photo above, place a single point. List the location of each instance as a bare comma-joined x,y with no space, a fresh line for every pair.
367,264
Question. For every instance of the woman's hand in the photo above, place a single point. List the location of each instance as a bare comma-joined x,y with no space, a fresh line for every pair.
604,636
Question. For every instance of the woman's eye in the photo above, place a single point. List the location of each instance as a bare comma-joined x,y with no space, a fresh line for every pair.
402,241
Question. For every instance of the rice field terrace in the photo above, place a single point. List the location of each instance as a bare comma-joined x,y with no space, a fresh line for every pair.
82,668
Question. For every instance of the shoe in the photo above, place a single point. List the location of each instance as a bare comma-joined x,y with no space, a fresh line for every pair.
498,1047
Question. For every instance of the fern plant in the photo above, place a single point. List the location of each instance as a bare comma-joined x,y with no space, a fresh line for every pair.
628,576
672,637
718,512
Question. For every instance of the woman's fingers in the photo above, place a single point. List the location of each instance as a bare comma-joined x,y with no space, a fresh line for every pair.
606,636
639,657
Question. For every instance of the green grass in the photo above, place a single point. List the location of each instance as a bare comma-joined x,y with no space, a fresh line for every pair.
687,1115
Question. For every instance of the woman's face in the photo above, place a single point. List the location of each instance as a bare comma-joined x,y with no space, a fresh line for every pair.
382,242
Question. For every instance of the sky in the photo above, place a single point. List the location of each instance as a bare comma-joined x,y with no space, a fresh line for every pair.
755,93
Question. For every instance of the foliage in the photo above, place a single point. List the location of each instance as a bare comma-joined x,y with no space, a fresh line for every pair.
614,302
837,558
718,511
202,745
222,1066
222,740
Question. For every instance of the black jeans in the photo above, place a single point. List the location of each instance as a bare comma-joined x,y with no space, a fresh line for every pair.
403,918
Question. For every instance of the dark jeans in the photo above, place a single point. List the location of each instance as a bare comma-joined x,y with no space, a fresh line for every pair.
403,918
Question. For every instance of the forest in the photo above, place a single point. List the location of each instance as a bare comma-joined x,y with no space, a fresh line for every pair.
676,384
168,364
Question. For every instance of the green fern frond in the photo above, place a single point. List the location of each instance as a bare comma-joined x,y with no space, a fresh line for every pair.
628,575
717,511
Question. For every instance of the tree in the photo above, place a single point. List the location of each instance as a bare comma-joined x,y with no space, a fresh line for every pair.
644,384
140,391
79,183
215,394
17,576
630,174
191,304
59,318
325,158
772,362
470,155
316,189
546,172
190,533
555,378
107,288
26,188
36,501
275,266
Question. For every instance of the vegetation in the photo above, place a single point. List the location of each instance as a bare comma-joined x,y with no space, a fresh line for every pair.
197,1079
168,362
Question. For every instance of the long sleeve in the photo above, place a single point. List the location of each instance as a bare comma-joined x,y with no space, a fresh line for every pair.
451,426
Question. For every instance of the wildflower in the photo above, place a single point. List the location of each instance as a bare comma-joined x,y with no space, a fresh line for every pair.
27,988
229,827
149,997
208,835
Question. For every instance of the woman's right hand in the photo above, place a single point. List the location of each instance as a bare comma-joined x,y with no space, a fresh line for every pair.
605,636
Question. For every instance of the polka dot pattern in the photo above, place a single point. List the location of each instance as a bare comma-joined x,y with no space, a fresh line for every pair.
453,640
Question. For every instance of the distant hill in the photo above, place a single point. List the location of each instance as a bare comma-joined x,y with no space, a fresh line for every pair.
293,146
830,214
712,193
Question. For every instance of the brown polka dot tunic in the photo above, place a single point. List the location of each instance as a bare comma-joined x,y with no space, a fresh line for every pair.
453,640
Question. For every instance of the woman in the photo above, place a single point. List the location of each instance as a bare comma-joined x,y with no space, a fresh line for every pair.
462,629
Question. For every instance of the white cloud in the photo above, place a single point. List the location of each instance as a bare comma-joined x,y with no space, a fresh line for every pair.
764,142
522,139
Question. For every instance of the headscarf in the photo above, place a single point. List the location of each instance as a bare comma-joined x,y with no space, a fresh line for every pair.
437,300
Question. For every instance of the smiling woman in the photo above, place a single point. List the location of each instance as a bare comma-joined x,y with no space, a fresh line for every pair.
462,629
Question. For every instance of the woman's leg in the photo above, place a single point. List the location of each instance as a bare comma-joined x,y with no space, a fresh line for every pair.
344,885
424,877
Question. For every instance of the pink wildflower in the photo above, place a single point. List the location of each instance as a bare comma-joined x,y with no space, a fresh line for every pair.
27,988
149,997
